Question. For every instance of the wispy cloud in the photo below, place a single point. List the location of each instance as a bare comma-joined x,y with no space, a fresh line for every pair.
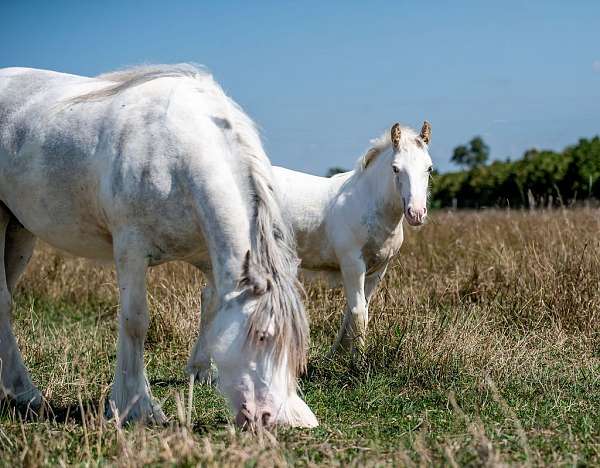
596,66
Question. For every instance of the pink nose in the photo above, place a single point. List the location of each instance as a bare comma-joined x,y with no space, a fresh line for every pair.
416,216
246,419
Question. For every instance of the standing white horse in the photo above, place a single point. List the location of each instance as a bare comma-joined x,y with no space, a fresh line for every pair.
348,227
146,166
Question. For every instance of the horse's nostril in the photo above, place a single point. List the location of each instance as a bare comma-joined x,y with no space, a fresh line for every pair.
266,418
242,421
245,417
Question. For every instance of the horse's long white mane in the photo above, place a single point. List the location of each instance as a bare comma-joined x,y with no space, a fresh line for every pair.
272,265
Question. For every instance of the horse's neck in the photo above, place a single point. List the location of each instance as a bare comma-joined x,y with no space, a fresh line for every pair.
377,199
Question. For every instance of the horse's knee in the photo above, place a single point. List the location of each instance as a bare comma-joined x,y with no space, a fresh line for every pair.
359,318
136,324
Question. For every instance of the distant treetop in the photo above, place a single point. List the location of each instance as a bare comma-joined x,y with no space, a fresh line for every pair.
335,170
475,154
539,178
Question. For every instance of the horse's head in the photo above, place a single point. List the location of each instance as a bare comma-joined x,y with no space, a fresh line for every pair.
259,353
411,166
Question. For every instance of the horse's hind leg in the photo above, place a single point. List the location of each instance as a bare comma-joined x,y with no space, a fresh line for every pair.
17,253
16,247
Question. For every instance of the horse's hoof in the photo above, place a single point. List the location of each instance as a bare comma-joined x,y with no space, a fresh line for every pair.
208,377
145,411
354,351
28,403
31,399
157,417
204,375
336,351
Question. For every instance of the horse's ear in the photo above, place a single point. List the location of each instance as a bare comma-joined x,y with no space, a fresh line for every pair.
370,156
251,277
426,132
395,134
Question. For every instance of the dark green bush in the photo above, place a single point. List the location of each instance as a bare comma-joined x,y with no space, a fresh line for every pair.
539,177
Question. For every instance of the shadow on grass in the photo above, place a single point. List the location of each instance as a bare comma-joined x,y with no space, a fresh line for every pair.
61,414
78,413
172,382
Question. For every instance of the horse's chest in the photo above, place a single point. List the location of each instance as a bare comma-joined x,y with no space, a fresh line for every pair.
378,251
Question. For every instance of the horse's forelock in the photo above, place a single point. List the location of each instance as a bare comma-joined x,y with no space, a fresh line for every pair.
382,144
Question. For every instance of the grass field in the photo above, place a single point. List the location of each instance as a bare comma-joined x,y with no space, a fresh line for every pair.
484,349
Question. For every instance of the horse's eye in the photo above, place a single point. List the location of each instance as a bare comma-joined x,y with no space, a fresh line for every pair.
430,169
395,169
263,337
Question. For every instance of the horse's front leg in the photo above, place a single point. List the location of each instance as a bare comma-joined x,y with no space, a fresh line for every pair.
351,335
199,362
131,394
344,340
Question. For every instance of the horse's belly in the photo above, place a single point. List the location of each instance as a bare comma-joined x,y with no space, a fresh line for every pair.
77,222
330,278
84,245
314,250
70,230
55,198
83,234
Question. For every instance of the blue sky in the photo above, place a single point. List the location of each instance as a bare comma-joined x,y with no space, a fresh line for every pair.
323,78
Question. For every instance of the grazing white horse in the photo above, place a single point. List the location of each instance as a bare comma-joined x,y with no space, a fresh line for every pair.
142,167
348,227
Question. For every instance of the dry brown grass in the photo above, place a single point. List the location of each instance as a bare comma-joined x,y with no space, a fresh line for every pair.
484,349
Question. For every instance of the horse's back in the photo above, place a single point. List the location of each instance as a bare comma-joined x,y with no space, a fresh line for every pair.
44,180
21,86
90,168
306,201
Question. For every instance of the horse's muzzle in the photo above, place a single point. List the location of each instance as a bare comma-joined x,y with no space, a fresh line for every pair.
416,216
252,420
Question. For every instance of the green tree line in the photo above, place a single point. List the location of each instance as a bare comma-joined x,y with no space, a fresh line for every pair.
538,178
